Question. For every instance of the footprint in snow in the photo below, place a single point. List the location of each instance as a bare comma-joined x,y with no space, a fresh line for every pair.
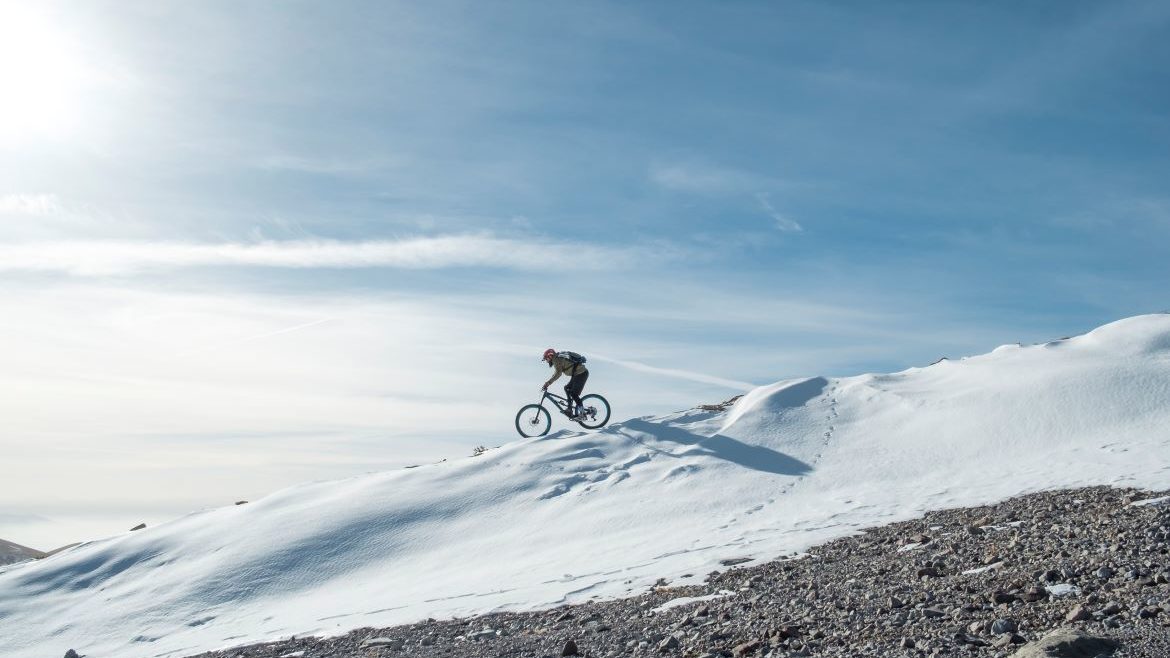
682,470
563,487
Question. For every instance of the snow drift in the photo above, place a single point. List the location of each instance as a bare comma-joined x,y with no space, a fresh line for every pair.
577,515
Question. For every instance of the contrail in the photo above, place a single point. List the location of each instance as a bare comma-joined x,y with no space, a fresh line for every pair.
283,331
676,373
208,348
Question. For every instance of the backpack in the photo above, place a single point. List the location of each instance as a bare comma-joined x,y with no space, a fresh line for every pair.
577,359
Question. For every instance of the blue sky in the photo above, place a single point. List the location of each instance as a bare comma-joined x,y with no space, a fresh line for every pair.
380,207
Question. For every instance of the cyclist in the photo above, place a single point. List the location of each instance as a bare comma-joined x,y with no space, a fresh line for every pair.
564,363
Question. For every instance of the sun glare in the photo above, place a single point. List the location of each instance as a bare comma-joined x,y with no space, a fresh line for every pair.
41,77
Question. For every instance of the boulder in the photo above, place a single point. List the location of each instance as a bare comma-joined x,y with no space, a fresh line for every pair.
1068,643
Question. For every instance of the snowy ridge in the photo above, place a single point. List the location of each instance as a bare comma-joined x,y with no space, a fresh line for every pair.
12,553
576,515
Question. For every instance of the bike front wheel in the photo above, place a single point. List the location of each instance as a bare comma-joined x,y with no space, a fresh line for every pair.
596,412
533,420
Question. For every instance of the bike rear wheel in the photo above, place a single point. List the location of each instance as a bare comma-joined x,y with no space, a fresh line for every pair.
596,412
533,420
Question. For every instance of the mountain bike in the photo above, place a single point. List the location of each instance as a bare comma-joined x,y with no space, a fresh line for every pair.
535,420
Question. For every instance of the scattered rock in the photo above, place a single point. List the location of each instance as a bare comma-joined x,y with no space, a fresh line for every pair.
1008,640
732,561
974,640
722,406
1001,626
1149,612
669,644
745,649
1067,643
1002,598
1034,593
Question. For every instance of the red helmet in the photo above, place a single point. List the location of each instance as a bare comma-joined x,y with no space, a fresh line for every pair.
549,354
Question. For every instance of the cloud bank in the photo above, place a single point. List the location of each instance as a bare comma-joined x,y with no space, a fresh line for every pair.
106,257
29,204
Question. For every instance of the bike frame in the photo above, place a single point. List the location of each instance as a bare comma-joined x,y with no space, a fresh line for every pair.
559,402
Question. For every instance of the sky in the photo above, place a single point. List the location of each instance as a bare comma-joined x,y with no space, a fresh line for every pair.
247,245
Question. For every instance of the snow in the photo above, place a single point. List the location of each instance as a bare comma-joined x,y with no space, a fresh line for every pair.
575,515
1063,589
1163,501
687,600
978,570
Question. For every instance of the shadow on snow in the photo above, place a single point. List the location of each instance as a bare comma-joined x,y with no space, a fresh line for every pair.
757,458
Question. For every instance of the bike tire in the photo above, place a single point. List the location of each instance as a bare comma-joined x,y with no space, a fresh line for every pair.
533,420
596,411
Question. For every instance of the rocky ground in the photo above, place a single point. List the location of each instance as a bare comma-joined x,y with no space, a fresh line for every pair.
12,553
988,581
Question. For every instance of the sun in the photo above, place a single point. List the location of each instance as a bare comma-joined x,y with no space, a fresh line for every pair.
41,76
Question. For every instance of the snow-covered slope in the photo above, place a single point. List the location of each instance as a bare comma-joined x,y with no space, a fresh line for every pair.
576,515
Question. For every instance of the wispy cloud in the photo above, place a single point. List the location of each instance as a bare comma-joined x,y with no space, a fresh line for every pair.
328,166
98,258
676,373
698,178
30,204
1137,214
261,336
783,222
708,180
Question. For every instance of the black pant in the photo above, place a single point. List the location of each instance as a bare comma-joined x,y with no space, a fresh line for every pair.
575,386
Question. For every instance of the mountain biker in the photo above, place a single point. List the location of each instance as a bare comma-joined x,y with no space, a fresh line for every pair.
562,364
